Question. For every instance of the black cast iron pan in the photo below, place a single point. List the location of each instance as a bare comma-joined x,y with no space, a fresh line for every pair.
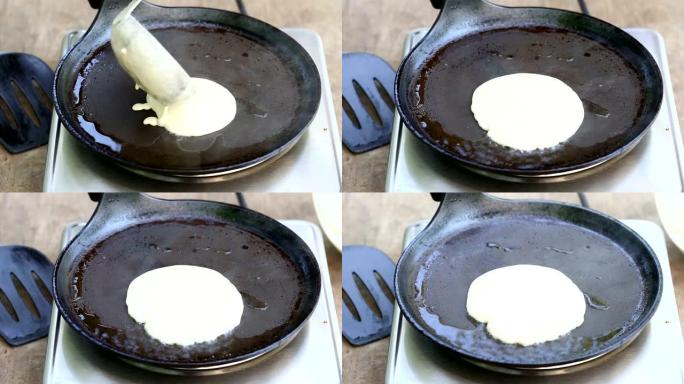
130,234
473,41
471,234
274,80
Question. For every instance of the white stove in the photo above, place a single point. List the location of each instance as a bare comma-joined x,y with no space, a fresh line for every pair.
656,356
314,164
655,165
314,356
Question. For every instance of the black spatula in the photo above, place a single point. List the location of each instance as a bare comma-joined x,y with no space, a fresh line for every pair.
25,107
368,294
25,299
367,86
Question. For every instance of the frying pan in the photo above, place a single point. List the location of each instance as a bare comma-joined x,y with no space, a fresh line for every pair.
130,234
274,80
471,234
473,41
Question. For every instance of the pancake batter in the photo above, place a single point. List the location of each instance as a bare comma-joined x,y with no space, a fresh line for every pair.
526,304
184,105
527,111
184,304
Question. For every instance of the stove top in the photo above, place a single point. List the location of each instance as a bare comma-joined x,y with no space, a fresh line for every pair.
71,167
314,356
656,356
655,165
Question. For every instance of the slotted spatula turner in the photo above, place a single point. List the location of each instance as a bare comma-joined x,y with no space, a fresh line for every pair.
368,294
25,299
25,107
367,86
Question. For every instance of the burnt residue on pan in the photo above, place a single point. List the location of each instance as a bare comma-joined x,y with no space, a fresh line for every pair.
267,85
271,285
611,88
599,267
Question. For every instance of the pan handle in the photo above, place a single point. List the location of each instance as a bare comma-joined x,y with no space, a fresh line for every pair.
95,4
461,12
458,205
117,210
453,210
109,9
437,4
115,6
119,206
456,4
108,200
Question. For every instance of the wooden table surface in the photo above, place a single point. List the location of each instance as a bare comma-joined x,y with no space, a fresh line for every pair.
379,220
38,220
38,27
381,26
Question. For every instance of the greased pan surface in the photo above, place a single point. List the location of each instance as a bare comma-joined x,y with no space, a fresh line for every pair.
472,234
474,41
274,80
272,268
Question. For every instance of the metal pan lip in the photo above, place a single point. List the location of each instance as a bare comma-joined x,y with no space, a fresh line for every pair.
623,340
560,176
521,174
219,176
64,308
218,369
312,110
554,370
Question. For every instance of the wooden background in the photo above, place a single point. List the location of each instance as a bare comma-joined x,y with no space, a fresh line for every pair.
38,27
380,27
38,220
379,220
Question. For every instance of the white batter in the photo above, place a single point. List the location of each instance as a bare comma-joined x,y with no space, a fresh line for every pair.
527,111
184,105
526,304
184,304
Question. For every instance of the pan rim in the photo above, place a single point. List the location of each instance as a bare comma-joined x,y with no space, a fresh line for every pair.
65,312
91,145
634,330
658,91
